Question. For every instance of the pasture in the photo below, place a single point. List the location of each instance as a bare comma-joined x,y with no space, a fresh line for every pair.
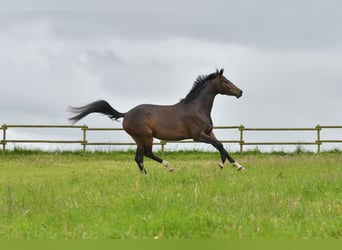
71,195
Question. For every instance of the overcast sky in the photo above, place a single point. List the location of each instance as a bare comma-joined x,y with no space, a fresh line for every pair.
285,55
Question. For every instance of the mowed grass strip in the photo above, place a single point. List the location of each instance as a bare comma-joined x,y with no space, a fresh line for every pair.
104,196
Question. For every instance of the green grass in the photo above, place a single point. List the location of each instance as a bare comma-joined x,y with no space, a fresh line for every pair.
103,195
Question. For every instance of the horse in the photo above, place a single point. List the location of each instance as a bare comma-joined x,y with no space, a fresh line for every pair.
190,118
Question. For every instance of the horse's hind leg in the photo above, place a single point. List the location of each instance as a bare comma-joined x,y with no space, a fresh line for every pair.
139,158
148,152
156,158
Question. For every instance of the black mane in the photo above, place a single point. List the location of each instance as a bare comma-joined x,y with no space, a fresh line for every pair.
199,84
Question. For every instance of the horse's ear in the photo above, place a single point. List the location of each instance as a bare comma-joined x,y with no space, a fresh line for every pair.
221,72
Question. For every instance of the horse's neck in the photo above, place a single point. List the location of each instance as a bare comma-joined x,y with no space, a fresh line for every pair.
206,100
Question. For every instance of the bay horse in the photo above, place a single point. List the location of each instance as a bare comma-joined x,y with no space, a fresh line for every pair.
188,119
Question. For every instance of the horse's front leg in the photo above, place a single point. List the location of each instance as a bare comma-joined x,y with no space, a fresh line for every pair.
211,139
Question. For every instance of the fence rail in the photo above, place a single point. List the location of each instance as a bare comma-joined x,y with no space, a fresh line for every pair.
241,141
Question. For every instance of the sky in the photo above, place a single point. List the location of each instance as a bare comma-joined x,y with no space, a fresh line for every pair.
286,56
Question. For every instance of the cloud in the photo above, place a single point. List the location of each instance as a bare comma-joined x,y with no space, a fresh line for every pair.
158,70
263,24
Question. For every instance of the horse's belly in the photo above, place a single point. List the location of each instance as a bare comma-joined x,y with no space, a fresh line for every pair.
171,136
171,133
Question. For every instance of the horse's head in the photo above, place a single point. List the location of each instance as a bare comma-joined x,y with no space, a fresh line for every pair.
226,87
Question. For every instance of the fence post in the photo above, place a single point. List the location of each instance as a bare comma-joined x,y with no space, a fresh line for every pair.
4,128
318,141
241,128
163,143
84,143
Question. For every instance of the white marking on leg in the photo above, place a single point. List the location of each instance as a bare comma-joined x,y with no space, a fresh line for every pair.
166,164
238,166
220,164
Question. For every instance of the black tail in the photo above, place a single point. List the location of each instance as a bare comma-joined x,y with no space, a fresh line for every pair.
101,106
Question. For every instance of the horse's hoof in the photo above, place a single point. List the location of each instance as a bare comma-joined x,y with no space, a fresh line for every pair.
241,168
171,170
220,165
238,166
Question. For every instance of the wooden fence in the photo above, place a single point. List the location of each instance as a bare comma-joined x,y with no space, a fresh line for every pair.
84,142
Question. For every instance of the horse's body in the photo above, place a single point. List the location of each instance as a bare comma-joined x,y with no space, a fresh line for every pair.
162,122
190,118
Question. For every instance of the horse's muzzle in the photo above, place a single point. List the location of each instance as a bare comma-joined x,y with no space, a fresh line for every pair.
239,95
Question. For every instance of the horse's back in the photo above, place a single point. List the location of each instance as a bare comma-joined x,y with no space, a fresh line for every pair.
151,114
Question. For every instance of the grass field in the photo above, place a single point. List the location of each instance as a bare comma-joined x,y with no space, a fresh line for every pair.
103,195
